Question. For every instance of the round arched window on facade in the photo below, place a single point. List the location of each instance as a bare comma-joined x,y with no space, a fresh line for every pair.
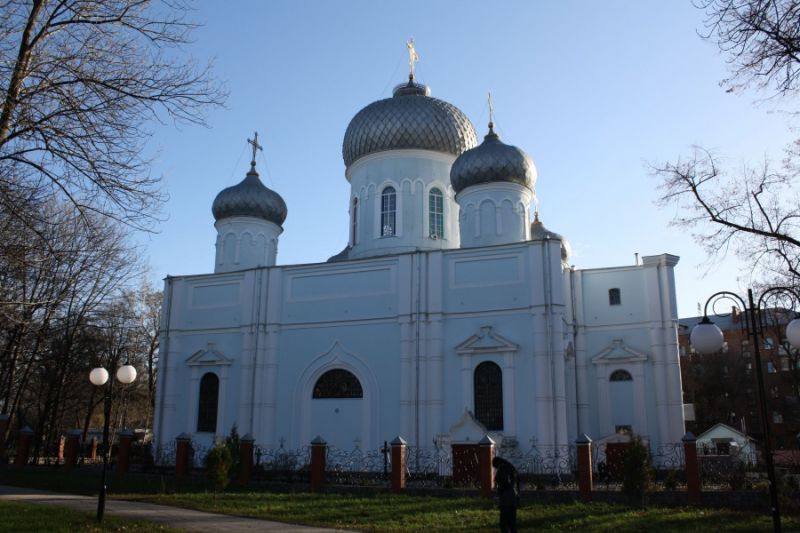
620,375
337,383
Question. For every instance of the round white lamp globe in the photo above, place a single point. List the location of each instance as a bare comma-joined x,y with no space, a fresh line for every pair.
98,376
126,374
793,333
706,337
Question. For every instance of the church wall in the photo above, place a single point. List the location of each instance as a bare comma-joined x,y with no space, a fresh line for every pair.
209,315
211,301
518,371
349,291
630,336
489,279
395,320
370,350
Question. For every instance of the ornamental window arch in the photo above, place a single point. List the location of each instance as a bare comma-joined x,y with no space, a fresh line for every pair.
620,375
337,383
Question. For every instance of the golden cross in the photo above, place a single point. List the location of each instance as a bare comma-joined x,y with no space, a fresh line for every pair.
412,57
256,146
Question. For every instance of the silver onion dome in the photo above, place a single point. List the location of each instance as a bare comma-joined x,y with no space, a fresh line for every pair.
410,119
250,198
492,161
541,233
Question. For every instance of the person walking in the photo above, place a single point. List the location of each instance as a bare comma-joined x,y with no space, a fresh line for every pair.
506,481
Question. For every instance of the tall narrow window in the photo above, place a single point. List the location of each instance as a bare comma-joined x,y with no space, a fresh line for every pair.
388,211
489,395
207,404
614,297
436,213
354,222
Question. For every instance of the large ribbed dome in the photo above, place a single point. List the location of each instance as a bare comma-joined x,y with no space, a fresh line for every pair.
410,119
250,198
492,161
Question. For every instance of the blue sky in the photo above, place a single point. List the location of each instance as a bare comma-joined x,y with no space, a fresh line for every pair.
593,91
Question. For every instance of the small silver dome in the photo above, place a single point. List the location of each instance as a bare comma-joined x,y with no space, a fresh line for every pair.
540,233
492,161
410,119
250,198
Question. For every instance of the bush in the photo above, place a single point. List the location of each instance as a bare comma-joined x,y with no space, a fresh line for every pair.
672,479
234,444
637,472
218,466
737,478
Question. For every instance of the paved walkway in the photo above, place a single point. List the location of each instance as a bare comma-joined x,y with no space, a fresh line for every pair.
185,519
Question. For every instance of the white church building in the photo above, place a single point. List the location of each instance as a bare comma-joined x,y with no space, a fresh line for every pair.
450,302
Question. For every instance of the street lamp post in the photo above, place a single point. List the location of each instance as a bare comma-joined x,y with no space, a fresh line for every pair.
126,374
707,338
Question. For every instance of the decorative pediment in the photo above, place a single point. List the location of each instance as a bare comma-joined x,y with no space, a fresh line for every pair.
486,341
618,352
210,356
467,429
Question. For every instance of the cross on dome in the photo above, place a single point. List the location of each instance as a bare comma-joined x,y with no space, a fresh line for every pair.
256,146
412,57
491,113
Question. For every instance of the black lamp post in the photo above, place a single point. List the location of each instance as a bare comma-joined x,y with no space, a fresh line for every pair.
707,338
99,377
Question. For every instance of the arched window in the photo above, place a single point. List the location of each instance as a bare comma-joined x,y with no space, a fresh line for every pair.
337,383
388,212
620,375
436,213
354,221
207,403
489,395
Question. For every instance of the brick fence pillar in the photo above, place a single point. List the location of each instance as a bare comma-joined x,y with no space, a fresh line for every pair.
246,453
60,457
319,449
398,464
485,469
5,420
71,447
182,444
692,469
23,446
584,448
93,449
124,451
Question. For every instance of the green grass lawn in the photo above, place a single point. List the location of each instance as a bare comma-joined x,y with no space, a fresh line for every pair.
403,513
23,517
393,513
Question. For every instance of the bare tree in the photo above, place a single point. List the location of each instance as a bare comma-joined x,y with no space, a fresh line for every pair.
752,211
760,38
83,81
754,214
48,338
